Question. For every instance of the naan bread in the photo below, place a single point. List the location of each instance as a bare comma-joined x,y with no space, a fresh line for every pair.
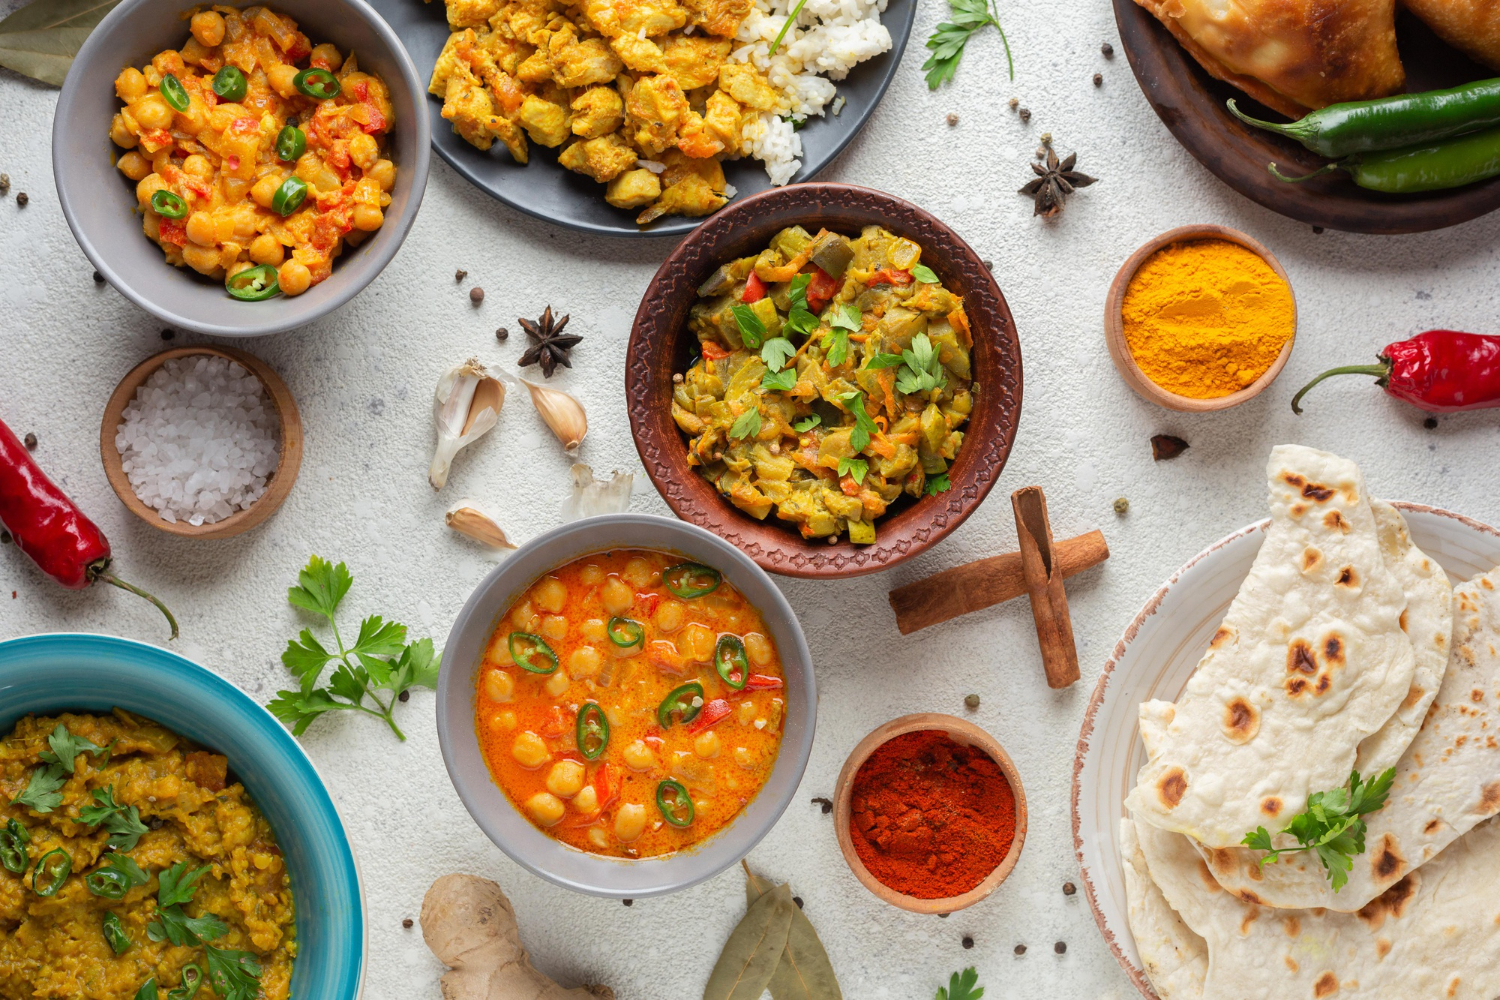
1471,26
1292,55
1309,661
1435,935
1175,959
1448,781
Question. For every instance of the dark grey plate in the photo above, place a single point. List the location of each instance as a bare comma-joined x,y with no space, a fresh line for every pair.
554,194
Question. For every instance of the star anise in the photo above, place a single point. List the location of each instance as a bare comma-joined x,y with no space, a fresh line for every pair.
1054,183
552,345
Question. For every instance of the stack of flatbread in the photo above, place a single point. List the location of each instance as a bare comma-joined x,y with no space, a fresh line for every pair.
1345,649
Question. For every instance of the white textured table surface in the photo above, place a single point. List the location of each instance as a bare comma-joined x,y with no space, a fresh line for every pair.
364,379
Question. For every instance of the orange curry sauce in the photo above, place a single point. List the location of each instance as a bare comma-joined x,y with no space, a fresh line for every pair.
527,721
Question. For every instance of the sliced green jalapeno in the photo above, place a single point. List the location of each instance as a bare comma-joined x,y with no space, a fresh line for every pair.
51,872
289,197
229,83
675,804
593,730
118,877
317,82
168,205
147,990
192,978
291,143
254,284
532,653
176,95
689,580
731,662
114,933
13,853
626,632
680,702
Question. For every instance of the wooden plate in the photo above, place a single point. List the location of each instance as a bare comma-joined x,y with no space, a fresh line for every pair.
660,345
1191,104
287,465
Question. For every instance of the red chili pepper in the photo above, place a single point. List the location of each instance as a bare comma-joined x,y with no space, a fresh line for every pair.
715,711
47,526
820,289
889,276
763,682
755,289
1442,371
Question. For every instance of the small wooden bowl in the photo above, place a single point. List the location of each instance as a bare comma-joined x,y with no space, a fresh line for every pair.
281,480
1114,322
962,732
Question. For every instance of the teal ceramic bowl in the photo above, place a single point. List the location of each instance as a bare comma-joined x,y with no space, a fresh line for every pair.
94,673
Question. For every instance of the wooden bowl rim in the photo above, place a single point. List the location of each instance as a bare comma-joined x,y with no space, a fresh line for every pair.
288,463
1114,322
962,731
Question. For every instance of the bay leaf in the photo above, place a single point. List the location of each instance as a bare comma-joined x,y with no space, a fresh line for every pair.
41,39
805,971
754,948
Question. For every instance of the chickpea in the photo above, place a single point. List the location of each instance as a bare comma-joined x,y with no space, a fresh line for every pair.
237,266
168,61
368,218
194,52
594,630
294,278
584,663
152,111
638,756
551,594
590,575
707,745
557,684
499,685
266,249
546,808
745,714
198,166
309,167
554,626
498,650
697,643
565,780
204,260
149,185
193,120
130,84
281,77
383,173
617,597
530,750
207,27
503,720
134,165
639,572
630,822
200,229
598,837
264,190
327,56
670,615
523,615
364,150
587,800
745,758
120,134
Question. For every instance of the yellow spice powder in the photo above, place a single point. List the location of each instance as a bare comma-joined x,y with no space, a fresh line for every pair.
1206,318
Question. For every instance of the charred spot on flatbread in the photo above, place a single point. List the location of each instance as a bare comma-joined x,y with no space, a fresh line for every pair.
1347,577
1413,697
1293,926
1298,509
1271,805
1386,861
1299,658
1489,799
1246,896
1241,721
1296,685
1333,650
1222,636
1334,521
1382,947
1172,787
1433,826
1326,986
1291,963
1312,558
1391,903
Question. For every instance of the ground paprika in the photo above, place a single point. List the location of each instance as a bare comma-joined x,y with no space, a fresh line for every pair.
931,817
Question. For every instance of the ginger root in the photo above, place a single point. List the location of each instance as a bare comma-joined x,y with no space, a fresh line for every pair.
470,926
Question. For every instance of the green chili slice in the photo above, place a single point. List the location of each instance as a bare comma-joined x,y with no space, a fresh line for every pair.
117,878
675,804
176,95
317,82
114,933
593,730
51,872
532,653
626,632
689,580
680,702
13,854
291,143
254,284
229,83
192,978
731,662
167,204
289,197
147,990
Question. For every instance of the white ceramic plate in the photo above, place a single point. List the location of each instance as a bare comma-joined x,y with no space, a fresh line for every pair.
1154,659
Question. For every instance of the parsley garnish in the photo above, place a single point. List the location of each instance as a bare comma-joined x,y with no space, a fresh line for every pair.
948,41
838,346
175,888
800,318
748,424
176,884
1331,827
781,381
776,352
962,986
924,274
846,315
921,369
938,484
44,791
66,747
752,330
855,468
234,974
123,822
380,660
807,423
863,425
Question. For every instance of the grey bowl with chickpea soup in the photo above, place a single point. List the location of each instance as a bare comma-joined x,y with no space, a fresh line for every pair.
666,743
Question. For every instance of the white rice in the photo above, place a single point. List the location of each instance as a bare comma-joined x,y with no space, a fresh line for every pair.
200,440
829,39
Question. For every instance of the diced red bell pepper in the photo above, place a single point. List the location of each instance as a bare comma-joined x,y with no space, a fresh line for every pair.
755,289
889,276
822,288
558,725
648,602
714,712
173,231
763,682
606,790
713,352
849,486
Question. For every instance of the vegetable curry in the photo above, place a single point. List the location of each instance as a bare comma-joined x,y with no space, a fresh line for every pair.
834,376
630,703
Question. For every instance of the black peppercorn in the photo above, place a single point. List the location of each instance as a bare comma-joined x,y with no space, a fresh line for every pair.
21,199
460,274
1430,423
968,942
1108,50
1317,230
628,902
1020,949
1069,888
989,265
30,441
827,804
502,334
798,901
1098,79
1061,947
406,923
404,696
476,295
168,334
942,916
1025,115
98,278
4,537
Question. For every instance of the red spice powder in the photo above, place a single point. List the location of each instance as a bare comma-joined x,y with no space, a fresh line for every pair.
931,817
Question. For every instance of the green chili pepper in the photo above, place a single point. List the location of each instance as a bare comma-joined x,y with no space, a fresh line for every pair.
51,872
680,702
675,804
176,95
114,933
169,205
254,284
147,990
291,143
625,632
13,854
689,580
1390,122
532,653
731,662
1433,167
192,978
117,878
317,82
593,730
229,83
289,196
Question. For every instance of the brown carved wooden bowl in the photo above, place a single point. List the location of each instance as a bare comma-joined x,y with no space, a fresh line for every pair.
660,345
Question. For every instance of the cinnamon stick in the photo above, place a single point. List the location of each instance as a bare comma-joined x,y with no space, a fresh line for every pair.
1044,584
984,583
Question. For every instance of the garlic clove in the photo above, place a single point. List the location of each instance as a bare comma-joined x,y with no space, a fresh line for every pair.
592,497
469,520
562,414
465,407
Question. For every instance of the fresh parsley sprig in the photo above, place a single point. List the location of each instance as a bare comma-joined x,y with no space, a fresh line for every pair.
938,484
962,986
948,40
854,468
1332,827
235,974
800,318
921,371
379,660
43,790
864,425
123,822
746,425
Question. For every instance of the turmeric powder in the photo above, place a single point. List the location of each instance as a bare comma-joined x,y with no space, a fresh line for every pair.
1206,318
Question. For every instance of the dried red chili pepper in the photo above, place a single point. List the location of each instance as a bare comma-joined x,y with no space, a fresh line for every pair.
1442,371
47,526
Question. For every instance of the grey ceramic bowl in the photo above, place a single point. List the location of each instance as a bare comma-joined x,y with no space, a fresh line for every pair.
99,202
493,811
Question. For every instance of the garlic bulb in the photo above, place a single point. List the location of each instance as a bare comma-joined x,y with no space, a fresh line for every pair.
468,519
466,405
561,412
591,497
